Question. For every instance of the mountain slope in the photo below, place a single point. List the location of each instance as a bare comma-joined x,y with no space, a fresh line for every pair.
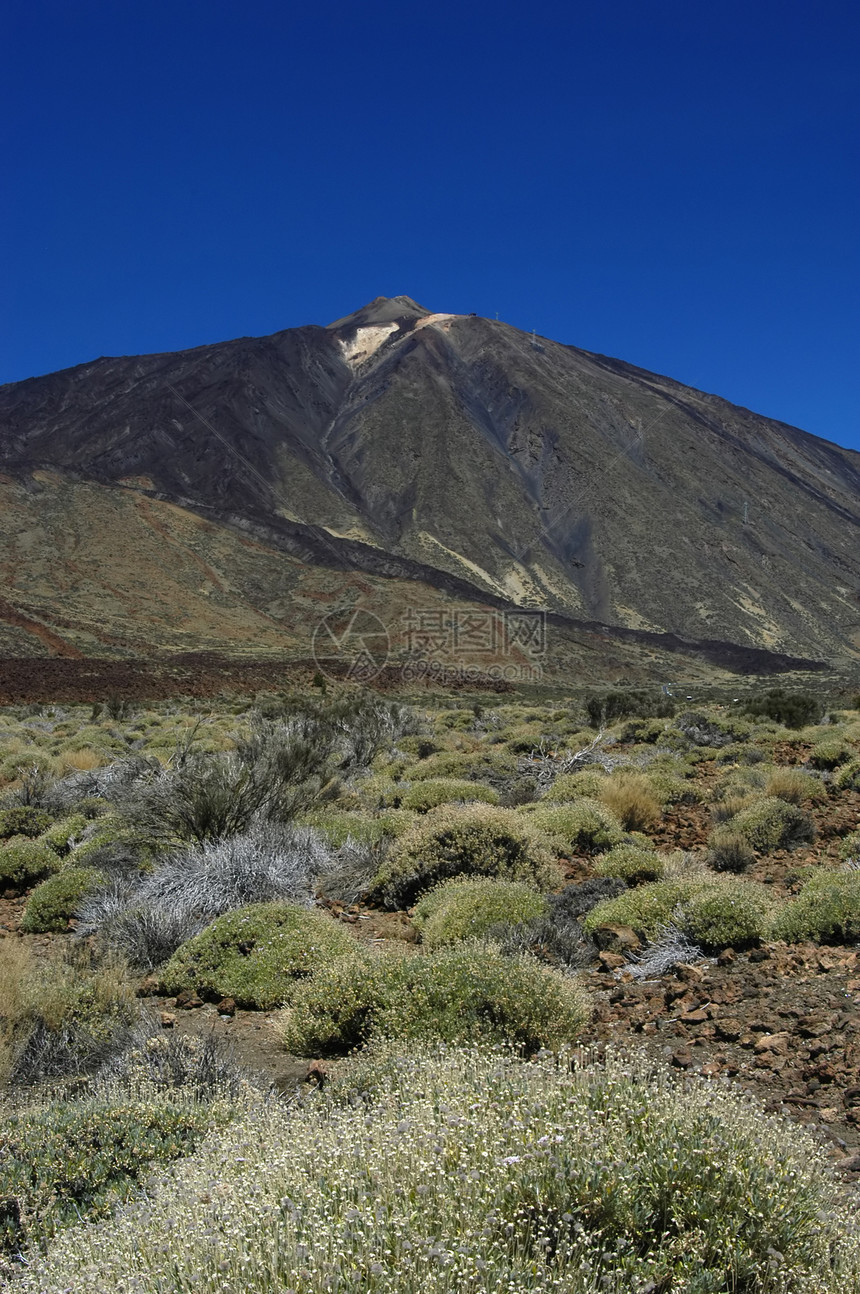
449,452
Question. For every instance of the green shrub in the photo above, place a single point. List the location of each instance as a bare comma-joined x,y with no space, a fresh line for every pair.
573,786
429,794
463,764
256,954
716,913
77,1159
848,776
646,909
827,909
340,825
606,706
727,914
829,754
647,731
630,863
849,848
729,851
24,862
57,899
62,835
23,820
466,993
477,840
584,826
469,908
769,823
792,709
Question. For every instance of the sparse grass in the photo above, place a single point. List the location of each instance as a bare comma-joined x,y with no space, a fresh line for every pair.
631,797
729,850
795,787
59,1016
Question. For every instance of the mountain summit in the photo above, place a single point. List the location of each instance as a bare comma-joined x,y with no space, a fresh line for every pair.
222,496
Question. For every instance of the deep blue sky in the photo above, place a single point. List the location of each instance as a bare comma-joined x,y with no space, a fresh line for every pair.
672,183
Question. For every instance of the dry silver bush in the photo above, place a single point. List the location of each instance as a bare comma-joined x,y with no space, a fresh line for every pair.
671,948
351,868
146,919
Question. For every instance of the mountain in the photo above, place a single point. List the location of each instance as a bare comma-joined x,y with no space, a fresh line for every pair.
227,498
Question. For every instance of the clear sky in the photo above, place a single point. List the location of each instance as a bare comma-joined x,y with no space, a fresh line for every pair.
676,184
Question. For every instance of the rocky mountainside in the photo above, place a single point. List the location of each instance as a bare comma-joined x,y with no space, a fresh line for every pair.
226,497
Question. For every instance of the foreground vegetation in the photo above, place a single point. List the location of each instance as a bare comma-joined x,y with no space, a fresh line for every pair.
451,1170
213,854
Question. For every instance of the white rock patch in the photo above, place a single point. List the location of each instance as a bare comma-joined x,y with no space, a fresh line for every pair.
365,342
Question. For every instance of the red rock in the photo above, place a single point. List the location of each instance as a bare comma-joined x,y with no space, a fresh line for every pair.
227,1006
167,1019
611,961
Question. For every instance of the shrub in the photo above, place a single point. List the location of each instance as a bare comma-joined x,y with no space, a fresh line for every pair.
558,937
256,954
61,1017
714,913
705,730
58,898
848,776
23,820
468,909
24,862
573,786
431,1170
646,909
829,754
795,787
792,709
630,796
827,909
63,835
429,794
770,823
477,840
630,863
466,993
339,825
849,848
729,851
585,826
647,731
76,1159
146,919
727,914
604,707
